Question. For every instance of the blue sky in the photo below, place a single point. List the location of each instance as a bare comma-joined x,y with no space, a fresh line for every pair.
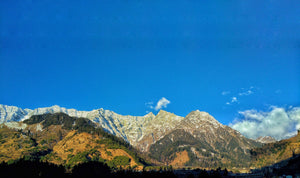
125,56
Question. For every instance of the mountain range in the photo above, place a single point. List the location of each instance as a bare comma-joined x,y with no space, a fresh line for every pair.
197,139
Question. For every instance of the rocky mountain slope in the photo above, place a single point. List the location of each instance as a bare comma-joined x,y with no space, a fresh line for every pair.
198,138
139,131
163,123
130,128
207,142
65,140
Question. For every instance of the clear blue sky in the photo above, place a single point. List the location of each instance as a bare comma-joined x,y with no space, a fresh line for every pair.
120,55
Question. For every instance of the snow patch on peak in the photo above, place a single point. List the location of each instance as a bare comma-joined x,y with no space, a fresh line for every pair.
199,119
11,113
266,139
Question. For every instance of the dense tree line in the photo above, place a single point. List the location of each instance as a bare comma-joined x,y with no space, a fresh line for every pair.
30,168
269,148
35,168
63,119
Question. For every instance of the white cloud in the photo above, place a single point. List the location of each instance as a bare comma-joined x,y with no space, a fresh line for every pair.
234,99
225,93
294,114
252,114
162,103
278,123
243,92
246,93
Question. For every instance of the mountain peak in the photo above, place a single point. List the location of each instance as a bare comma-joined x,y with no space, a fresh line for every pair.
266,139
198,118
150,114
55,106
200,112
200,115
162,111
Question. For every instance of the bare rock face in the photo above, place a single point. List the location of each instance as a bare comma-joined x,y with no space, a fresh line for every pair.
266,139
162,124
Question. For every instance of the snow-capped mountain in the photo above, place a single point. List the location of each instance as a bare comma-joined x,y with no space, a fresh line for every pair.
140,131
266,139
130,128
13,113
162,135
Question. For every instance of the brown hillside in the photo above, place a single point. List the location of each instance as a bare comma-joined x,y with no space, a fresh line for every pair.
180,159
76,143
272,153
14,144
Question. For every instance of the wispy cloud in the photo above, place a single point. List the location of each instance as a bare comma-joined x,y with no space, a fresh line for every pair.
225,93
149,105
246,93
234,99
278,122
243,92
162,103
